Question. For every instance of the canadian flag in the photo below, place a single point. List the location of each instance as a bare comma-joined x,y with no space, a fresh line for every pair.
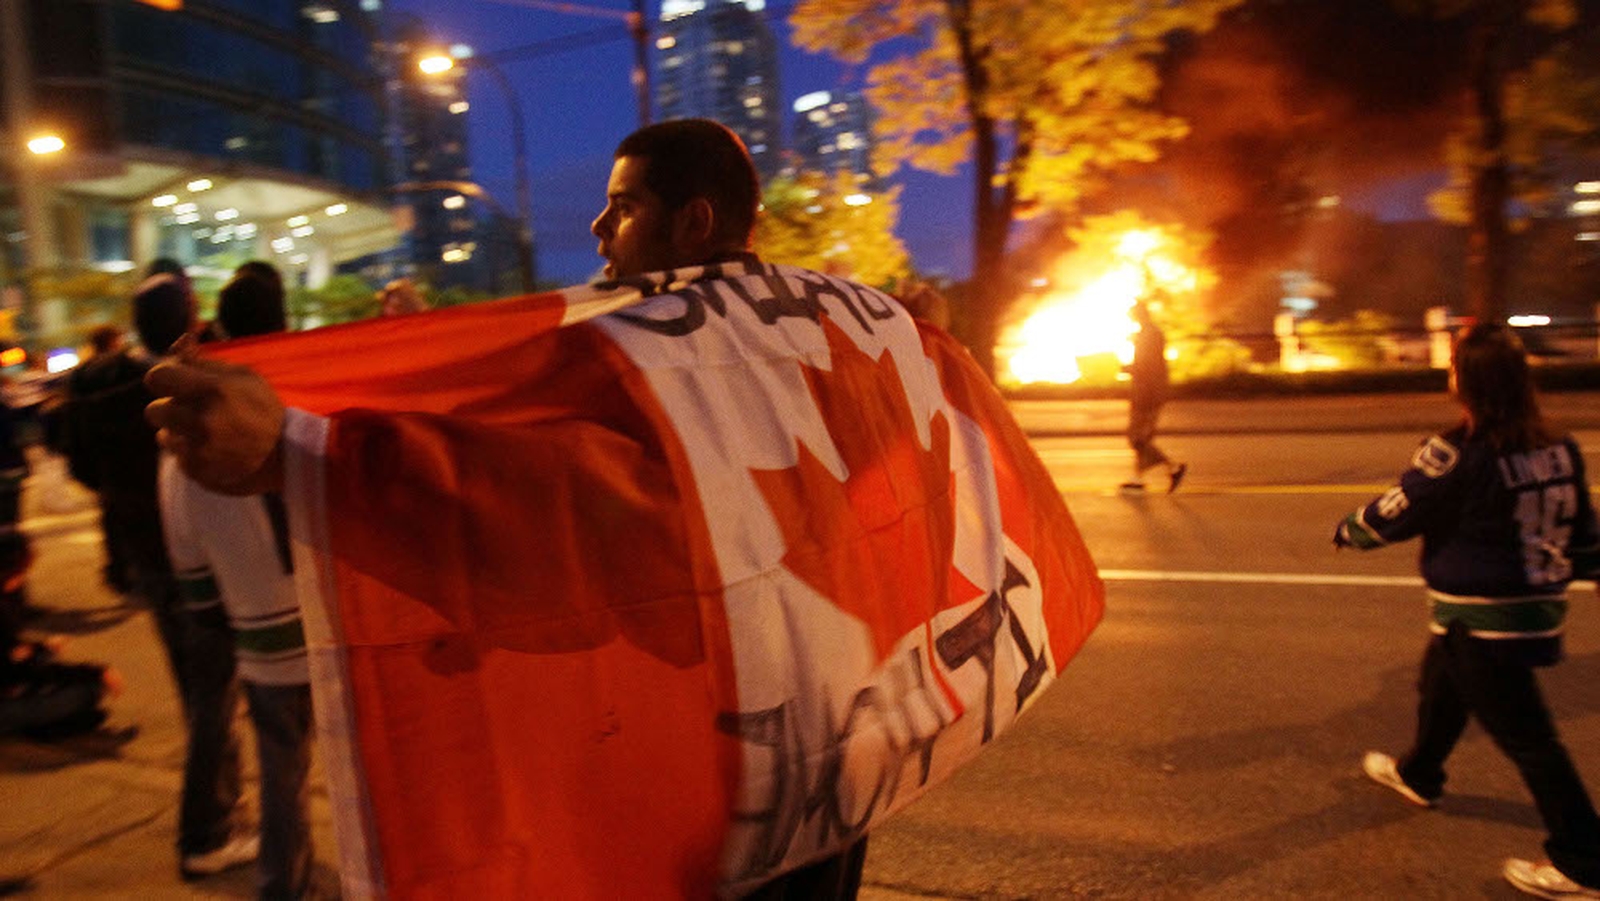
657,589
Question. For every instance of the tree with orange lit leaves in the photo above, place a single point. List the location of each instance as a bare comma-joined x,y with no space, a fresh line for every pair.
1044,97
1482,155
833,224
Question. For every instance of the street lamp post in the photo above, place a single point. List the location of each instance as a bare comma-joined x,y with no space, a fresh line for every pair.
433,65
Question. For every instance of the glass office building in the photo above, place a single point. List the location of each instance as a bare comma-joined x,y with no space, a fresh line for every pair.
718,59
211,131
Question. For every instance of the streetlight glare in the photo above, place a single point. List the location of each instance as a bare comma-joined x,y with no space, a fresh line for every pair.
433,65
45,144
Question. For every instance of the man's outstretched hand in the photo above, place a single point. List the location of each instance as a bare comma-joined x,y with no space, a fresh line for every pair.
223,423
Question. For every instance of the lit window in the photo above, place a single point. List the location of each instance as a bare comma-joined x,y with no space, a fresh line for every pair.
304,231
164,200
459,107
321,13
455,202
1585,207
338,209
666,43
200,184
227,215
811,101
296,221
184,209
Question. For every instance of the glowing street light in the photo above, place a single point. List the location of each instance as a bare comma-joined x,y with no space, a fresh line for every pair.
43,145
436,64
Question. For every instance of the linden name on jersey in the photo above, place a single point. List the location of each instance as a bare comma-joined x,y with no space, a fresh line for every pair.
1536,467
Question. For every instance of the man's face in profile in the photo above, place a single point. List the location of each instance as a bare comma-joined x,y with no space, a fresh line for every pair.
635,228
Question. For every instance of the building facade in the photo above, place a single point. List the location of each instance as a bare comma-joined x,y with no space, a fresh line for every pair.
718,59
211,131
833,132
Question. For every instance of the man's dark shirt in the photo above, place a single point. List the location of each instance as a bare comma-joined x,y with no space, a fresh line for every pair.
109,445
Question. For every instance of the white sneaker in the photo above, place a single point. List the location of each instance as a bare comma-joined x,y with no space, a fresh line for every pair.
1380,768
236,851
1543,880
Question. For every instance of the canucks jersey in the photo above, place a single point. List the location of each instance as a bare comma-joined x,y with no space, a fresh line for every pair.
1500,531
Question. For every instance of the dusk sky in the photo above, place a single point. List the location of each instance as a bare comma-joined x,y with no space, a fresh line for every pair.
579,103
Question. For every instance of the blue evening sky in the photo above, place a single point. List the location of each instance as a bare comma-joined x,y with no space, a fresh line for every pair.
579,103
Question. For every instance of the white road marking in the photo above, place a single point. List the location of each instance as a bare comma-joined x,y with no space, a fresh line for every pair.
1155,575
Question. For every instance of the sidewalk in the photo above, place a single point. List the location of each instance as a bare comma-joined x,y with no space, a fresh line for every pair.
93,818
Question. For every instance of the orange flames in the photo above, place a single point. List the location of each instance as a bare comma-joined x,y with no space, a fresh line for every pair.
1093,315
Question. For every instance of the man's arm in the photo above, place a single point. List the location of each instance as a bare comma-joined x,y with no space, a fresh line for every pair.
223,423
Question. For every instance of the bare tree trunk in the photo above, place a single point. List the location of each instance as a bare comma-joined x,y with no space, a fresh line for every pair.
1488,242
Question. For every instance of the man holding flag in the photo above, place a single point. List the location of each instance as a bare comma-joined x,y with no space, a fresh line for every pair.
670,586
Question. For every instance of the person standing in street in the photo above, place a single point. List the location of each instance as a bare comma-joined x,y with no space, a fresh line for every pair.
119,460
1146,395
113,363
235,550
1503,508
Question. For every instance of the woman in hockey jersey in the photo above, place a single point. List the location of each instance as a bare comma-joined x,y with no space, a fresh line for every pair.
1504,512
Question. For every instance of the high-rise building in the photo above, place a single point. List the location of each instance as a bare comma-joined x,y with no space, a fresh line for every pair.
432,171
833,132
209,132
718,59
455,232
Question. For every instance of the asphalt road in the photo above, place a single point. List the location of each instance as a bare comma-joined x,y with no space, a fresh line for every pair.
1206,742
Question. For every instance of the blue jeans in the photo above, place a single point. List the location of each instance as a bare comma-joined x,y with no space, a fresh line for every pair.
204,668
281,715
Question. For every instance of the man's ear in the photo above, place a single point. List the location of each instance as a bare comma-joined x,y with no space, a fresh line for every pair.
694,225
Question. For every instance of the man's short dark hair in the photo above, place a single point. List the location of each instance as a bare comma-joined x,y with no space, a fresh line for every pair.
163,311
689,158
261,269
251,304
165,266
104,337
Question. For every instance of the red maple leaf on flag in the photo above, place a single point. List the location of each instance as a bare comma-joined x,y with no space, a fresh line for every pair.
878,544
